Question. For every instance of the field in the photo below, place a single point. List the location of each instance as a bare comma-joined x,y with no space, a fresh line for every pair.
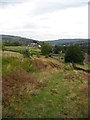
19,49
42,87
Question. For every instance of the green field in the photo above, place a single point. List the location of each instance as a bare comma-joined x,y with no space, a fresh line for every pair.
19,49
42,87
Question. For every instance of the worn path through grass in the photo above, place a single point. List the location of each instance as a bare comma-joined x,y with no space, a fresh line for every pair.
41,89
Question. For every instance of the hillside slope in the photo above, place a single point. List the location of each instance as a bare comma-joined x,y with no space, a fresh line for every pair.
27,41
67,41
21,40
42,88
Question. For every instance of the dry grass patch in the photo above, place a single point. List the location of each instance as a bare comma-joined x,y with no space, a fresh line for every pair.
82,75
69,66
11,54
55,65
69,77
46,63
12,84
38,64
41,84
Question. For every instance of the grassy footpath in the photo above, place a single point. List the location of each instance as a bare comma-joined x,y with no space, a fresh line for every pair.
43,88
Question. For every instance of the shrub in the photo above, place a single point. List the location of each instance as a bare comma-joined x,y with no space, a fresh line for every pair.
38,55
28,67
26,53
46,49
56,49
74,54
46,56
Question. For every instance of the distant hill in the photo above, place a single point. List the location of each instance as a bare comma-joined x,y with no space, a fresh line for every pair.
27,41
21,40
67,41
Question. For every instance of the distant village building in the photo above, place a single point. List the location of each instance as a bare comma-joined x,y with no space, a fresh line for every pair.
33,44
61,51
39,46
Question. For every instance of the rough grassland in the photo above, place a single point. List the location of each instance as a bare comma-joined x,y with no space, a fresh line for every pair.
43,88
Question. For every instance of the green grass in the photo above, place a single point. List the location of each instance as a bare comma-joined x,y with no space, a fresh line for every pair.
85,66
48,104
19,49
10,64
50,93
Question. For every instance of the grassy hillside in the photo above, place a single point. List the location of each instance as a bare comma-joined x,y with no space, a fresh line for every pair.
67,41
43,87
21,40
26,41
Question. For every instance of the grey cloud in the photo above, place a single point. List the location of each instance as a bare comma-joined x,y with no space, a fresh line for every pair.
35,27
29,26
5,3
49,7
11,1
35,21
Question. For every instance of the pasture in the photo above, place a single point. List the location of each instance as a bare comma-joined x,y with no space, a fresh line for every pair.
42,87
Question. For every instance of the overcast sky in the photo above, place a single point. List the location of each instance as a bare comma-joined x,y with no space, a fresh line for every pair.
44,19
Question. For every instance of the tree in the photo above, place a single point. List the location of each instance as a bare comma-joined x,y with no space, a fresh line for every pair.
16,43
56,49
46,49
74,54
